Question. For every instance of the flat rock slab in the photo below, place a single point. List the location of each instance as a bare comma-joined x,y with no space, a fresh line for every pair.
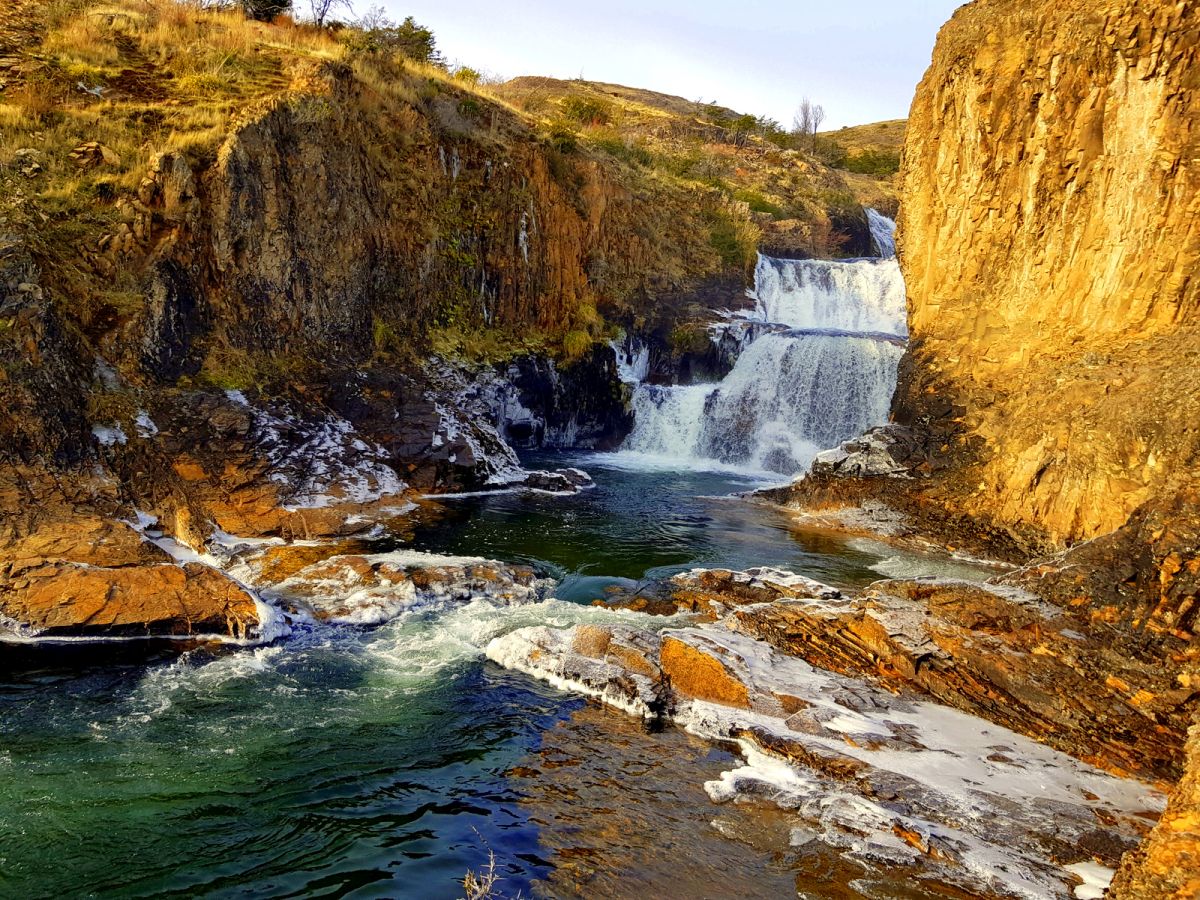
885,779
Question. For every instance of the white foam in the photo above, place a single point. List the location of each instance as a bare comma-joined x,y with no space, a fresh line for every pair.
786,398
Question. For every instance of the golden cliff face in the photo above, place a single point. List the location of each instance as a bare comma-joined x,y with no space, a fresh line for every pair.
1050,238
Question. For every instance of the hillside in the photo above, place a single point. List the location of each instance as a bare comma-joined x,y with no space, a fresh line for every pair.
801,206
868,158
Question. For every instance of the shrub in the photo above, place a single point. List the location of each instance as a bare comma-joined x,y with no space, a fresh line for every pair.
575,344
265,10
758,203
872,162
633,152
734,238
587,110
378,34
468,76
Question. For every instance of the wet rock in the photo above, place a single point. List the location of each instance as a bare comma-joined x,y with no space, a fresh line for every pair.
881,452
710,593
559,481
67,599
616,664
871,775
369,589
536,402
997,653
268,467
700,674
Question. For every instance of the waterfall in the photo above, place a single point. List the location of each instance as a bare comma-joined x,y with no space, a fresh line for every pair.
862,295
788,397
883,233
818,367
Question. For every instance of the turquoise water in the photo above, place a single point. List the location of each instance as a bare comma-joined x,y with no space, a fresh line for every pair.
345,761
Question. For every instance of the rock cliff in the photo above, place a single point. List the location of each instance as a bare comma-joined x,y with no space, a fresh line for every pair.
1049,237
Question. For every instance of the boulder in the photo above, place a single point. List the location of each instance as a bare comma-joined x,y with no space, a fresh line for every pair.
68,599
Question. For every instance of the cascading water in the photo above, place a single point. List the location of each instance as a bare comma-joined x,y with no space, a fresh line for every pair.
883,233
819,369
861,296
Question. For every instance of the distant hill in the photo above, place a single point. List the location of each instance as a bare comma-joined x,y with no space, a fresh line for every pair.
799,199
878,136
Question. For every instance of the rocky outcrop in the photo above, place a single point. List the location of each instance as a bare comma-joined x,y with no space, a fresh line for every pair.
56,599
1049,232
72,568
869,768
1167,865
996,651
1049,229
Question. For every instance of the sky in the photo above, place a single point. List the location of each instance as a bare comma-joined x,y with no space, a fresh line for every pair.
861,60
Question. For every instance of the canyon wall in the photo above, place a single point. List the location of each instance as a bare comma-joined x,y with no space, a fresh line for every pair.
1050,237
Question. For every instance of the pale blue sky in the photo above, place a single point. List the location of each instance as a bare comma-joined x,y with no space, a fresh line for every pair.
860,59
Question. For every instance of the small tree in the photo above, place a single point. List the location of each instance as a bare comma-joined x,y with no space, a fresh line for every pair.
807,121
379,34
742,127
322,8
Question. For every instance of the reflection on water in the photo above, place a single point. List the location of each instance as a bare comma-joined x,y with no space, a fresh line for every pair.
623,813
640,523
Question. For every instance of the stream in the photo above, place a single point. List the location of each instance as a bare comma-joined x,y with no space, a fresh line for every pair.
368,762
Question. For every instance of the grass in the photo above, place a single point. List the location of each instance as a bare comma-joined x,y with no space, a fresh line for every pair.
699,148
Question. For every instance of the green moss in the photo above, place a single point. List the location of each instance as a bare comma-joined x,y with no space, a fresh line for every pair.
575,344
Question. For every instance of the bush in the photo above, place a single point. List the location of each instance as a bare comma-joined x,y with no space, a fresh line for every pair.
871,162
587,110
632,152
468,76
758,203
575,344
733,237
265,10
378,34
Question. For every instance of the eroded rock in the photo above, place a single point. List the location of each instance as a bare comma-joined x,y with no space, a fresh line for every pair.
67,599
874,775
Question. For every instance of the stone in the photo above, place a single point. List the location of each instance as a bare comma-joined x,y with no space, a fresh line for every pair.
696,673
1167,865
1051,289
66,599
28,161
93,153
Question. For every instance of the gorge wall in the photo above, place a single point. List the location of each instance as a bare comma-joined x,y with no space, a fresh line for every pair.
1049,237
